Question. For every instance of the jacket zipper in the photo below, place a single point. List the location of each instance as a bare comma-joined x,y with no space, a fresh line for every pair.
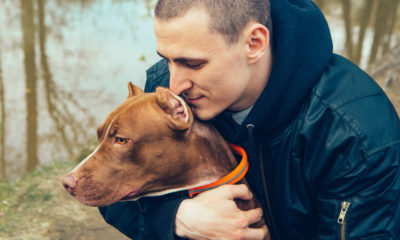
267,200
342,219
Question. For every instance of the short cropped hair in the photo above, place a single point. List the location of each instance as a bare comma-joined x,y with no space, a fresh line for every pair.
228,17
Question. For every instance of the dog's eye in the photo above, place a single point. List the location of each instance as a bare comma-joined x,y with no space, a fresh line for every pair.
121,140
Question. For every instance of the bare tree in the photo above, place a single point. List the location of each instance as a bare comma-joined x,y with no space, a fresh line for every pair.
28,32
380,28
2,127
391,18
346,4
364,21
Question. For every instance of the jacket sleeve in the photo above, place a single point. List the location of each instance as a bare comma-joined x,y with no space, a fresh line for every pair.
147,218
356,167
362,201
126,217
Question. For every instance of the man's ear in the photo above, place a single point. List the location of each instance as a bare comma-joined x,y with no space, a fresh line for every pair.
257,41
176,109
134,90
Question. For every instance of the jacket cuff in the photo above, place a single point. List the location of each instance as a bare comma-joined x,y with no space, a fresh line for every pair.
160,217
126,217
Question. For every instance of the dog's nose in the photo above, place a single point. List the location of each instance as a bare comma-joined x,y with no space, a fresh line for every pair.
69,183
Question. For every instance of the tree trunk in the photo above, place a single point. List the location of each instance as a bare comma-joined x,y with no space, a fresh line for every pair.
379,29
28,31
2,127
364,20
348,28
391,18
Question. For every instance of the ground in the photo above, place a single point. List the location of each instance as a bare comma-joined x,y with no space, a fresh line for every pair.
38,207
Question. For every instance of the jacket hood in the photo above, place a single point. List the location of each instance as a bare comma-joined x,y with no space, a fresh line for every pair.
302,48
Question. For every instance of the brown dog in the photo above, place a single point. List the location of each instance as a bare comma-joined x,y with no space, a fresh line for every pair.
152,145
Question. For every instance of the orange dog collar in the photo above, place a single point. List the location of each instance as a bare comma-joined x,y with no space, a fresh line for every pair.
233,177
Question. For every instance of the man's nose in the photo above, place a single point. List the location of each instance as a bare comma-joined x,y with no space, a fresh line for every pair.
179,80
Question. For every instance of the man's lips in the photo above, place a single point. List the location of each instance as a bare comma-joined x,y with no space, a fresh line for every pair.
193,100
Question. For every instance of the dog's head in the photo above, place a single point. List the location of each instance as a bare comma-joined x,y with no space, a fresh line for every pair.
138,147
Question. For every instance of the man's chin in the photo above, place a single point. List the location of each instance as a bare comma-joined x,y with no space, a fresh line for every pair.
204,114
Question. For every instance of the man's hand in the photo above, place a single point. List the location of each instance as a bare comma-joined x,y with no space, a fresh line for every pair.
214,215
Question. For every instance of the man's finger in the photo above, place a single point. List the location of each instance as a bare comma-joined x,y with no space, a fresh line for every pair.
253,215
257,233
237,191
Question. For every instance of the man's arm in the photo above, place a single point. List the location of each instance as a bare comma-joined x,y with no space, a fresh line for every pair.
354,164
214,215
367,203
126,217
148,218
211,215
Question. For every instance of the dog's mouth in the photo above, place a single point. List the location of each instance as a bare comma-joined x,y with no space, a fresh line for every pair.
130,195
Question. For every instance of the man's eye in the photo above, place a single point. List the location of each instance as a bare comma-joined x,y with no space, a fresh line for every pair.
194,65
121,140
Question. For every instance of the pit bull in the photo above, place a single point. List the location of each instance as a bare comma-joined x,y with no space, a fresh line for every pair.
152,145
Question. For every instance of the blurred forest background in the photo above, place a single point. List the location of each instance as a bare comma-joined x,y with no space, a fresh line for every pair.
65,64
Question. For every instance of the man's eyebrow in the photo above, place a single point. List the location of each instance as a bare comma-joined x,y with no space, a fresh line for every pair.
181,59
159,54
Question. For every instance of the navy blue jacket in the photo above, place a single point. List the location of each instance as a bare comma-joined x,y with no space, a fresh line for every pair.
324,146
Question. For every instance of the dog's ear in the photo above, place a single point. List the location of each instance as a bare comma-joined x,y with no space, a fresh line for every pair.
176,109
134,90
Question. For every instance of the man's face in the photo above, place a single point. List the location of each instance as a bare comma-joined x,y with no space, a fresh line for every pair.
212,74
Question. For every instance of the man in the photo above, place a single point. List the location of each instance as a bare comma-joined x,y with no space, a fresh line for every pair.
323,139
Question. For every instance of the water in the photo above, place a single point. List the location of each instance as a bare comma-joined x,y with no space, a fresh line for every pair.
91,50
66,64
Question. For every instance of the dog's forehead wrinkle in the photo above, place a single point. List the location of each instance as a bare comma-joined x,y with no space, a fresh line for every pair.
113,131
129,107
132,110
104,131
139,101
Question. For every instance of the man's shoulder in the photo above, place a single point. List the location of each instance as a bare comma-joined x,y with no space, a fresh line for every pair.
342,82
347,92
157,75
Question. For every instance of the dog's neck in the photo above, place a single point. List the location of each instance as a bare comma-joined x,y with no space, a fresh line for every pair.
214,157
